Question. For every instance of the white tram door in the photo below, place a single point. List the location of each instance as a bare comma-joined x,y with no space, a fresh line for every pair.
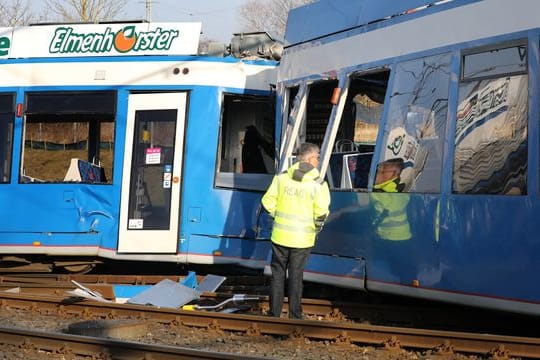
150,204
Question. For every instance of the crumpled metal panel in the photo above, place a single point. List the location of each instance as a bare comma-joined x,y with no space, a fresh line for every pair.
166,293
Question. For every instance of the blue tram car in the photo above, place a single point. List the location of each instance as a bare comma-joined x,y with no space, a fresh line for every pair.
120,142
427,115
124,142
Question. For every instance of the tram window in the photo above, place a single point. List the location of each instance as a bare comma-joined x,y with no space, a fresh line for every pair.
415,127
495,62
7,114
246,151
352,153
293,91
491,131
312,126
69,137
290,112
292,100
318,110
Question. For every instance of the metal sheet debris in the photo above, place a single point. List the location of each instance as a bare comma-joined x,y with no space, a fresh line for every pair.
211,283
166,293
84,292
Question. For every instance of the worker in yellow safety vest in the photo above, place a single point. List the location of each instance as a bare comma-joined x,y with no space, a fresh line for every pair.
391,223
298,200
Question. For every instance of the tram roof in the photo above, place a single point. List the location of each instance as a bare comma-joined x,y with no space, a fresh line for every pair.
326,17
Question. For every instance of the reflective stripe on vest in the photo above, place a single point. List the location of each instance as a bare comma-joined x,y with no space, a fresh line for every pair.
294,228
294,217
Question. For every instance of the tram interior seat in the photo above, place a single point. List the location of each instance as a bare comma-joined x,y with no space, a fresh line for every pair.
349,165
343,145
84,171
355,170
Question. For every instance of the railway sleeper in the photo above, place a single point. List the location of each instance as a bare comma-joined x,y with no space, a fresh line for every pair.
392,344
445,348
499,353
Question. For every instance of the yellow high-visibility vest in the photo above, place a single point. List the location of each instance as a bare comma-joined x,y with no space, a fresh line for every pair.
295,203
391,209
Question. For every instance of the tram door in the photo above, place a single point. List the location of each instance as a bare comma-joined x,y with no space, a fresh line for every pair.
150,204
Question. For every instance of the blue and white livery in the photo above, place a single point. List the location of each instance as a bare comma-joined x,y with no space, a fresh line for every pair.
123,142
427,113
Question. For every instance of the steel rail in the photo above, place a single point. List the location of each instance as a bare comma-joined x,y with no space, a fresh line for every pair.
31,340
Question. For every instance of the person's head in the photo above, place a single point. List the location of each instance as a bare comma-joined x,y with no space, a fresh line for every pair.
309,153
388,170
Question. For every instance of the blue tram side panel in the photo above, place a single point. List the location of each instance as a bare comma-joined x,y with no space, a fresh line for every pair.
427,116
122,141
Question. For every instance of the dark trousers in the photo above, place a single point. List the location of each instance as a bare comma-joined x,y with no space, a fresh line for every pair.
294,261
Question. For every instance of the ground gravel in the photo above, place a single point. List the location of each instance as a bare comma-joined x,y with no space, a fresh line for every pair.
270,347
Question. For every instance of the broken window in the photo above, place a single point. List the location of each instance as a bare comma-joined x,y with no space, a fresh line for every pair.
350,161
247,141
412,153
69,137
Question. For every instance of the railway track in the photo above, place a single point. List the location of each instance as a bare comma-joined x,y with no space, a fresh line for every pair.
391,338
388,311
68,345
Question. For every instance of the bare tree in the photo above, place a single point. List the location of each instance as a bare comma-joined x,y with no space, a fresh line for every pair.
85,10
268,15
15,13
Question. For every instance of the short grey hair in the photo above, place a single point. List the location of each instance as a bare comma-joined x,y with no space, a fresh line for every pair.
306,150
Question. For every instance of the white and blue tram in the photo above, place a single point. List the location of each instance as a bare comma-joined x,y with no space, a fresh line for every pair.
122,141
427,113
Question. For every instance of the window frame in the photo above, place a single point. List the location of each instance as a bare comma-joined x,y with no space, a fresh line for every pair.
7,161
241,180
40,108
487,48
479,79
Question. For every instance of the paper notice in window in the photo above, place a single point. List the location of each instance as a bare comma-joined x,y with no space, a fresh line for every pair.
153,156
136,224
